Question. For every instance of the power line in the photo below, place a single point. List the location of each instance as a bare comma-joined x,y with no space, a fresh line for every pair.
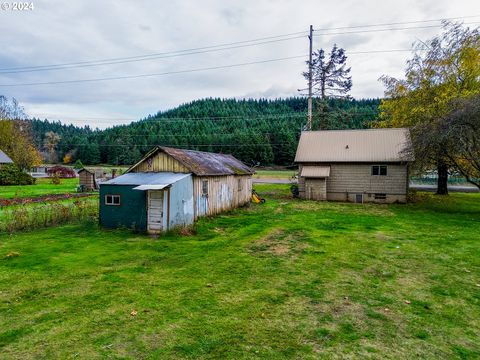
382,30
155,74
189,70
397,23
147,58
218,47
155,54
284,116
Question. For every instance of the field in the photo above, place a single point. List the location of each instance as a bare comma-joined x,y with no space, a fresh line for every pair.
274,174
43,186
289,279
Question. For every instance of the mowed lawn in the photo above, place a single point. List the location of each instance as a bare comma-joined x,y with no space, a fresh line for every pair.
289,279
43,186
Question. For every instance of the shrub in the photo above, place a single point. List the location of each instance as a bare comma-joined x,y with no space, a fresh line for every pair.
78,165
11,175
62,172
55,179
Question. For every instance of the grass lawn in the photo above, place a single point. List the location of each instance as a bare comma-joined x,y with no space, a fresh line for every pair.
42,187
289,279
274,174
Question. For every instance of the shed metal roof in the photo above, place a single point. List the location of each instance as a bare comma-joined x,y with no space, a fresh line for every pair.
202,163
315,171
148,178
4,159
370,145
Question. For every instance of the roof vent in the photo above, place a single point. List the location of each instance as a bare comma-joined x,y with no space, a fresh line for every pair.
346,147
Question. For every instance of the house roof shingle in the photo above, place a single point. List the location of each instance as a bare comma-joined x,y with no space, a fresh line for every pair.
370,145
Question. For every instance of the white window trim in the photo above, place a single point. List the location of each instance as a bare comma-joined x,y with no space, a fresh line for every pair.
112,203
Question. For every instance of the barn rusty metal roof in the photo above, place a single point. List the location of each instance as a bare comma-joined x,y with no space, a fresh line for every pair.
370,145
202,163
315,171
4,159
147,178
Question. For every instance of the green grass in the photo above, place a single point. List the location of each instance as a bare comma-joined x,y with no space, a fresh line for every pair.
289,279
274,174
42,187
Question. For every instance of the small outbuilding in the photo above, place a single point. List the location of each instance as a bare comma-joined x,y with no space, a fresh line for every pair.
4,159
87,179
354,165
173,187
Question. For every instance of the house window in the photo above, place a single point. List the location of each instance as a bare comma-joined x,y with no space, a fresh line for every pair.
379,170
380,196
205,187
112,200
240,188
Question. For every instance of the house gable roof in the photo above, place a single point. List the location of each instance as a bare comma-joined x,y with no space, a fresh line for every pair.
4,158
201,163
370,145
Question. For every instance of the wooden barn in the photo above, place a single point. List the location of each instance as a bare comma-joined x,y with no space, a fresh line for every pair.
172,187
354,165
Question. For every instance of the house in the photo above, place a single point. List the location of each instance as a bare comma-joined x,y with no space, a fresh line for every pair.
4,159
354,165
172,187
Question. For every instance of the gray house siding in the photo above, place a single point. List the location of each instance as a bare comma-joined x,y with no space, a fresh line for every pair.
347,180
180,199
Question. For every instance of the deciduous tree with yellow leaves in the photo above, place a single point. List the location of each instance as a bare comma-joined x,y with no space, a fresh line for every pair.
442,70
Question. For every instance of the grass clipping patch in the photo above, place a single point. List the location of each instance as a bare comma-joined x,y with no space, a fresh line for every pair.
279,242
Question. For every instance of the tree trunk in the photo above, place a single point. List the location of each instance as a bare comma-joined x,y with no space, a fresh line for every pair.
442,182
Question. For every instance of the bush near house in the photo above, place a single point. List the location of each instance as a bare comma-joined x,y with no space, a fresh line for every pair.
62,172
12,175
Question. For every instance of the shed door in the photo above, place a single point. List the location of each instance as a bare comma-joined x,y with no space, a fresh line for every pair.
155,210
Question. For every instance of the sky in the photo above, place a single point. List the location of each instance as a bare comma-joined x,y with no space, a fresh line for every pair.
82,31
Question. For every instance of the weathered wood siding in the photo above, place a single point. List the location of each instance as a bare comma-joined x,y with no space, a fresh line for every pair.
348,179
161,162
87,179
224,193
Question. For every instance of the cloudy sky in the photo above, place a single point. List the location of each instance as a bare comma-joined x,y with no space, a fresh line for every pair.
81,32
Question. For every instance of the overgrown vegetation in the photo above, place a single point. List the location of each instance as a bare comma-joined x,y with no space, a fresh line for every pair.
287,279
34,216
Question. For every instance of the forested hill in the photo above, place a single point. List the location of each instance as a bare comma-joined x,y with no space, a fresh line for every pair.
255,131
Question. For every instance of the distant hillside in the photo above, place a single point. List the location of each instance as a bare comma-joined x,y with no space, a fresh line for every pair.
256,131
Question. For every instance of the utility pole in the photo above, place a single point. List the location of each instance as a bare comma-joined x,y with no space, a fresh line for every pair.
310,80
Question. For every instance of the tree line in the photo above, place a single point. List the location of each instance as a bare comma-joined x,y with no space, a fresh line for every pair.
257,131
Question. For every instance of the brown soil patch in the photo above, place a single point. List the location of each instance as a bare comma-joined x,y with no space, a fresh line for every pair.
44,198
279,242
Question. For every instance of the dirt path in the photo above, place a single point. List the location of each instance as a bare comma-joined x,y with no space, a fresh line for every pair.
44,198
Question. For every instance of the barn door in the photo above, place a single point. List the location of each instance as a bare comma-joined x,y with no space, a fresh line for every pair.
155,211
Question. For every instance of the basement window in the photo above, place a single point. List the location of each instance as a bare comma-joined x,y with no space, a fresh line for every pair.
379,170
205,187
112,200
380,196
